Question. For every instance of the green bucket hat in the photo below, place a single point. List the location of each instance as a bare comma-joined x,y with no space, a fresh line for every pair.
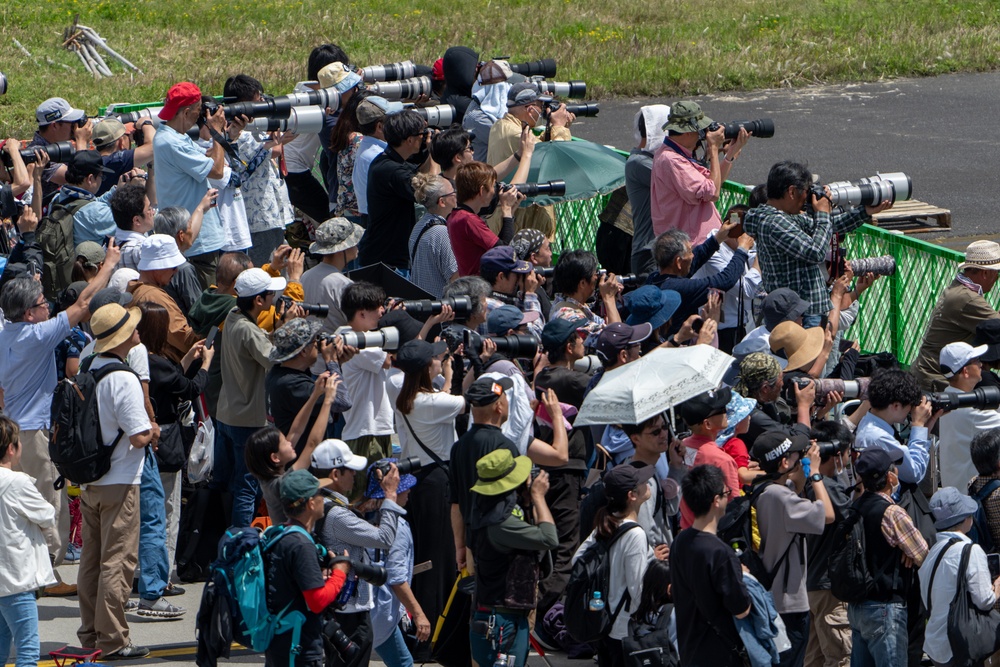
686,117
499,472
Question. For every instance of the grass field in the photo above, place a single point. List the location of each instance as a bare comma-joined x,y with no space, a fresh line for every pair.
620,47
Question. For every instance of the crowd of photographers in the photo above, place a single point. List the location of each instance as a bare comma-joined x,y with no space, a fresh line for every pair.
426,427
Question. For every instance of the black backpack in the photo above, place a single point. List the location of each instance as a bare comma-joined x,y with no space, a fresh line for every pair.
850,578
649,645
736,530
591,573
76,445
980,533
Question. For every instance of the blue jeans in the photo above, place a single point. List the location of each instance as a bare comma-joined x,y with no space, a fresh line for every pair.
230,471
393,651
513,628
811,321
19,625
878,634
154,564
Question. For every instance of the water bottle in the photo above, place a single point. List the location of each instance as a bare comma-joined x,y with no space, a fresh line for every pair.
503,660
806,466
596,603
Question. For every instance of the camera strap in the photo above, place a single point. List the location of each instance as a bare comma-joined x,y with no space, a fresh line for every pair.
436,222
671,145
434,457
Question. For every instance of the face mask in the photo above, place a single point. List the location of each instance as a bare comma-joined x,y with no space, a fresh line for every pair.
895,488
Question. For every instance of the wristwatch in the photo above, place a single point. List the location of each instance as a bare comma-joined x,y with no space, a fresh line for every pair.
816,477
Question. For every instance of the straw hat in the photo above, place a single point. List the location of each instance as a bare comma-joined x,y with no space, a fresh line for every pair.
801,346
982,255
113,325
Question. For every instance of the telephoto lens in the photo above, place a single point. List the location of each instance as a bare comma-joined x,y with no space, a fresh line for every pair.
545,271
632,278
573,89
387,338
554,188
407,89
879,266
390,72
340,641
545,68
849,389
982,398
442,115
762,128
3,84
515,346
424,308
583,110
301,120
872,190
323,98
315,309
58,152
588,364
405,466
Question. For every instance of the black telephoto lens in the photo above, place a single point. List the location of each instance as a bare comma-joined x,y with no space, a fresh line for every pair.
545,68
342,643
553,188
373,574
583,110
516,346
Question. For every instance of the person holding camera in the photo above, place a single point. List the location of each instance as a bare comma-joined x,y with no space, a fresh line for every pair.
391,212
114,142
344,530
683,191
961,365
59,122
297,580
477,191
510,528
183,169
793,240
513,283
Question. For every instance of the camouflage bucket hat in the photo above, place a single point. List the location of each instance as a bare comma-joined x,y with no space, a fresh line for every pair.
755,370
686,117
336,234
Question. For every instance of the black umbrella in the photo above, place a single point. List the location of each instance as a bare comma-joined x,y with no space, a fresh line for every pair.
395,285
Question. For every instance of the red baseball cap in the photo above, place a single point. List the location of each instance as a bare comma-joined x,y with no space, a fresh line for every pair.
437,72
180,95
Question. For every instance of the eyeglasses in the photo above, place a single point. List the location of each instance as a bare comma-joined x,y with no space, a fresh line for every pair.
448,194
42,304
657,431
725,493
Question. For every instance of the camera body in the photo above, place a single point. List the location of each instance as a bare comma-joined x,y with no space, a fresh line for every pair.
316,309
405,466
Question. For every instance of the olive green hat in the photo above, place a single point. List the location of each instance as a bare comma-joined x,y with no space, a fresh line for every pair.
686,117
499,472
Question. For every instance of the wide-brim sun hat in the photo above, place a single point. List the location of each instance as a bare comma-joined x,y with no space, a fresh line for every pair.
801,346
982,255
499,472
113,325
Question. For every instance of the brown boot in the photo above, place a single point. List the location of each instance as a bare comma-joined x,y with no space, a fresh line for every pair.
60,589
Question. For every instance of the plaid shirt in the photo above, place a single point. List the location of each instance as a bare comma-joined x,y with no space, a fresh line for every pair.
991,503
900,531
792,249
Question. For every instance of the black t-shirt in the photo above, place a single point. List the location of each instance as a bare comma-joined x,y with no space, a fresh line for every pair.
391,212
293,567
120,162
477,442
708,590
820,546
287,390
570,386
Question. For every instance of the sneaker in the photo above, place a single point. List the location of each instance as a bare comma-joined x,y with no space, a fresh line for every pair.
543,638
131,605
130,652
172,590
159,608
72,554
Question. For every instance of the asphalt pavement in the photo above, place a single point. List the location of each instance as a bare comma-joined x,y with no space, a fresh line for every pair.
938,130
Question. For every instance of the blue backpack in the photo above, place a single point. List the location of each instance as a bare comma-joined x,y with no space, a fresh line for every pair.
238,584
980,533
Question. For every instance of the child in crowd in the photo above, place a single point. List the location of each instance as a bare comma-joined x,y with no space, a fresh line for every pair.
24,557
738,413
269,451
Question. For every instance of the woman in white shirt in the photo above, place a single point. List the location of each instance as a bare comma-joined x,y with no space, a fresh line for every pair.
425,422
625,490
24,557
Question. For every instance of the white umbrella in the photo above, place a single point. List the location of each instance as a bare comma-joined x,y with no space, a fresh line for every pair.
652,384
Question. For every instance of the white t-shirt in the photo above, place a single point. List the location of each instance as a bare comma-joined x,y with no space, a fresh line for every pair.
121,406
232,213
137,359
300,153
433,422
372,411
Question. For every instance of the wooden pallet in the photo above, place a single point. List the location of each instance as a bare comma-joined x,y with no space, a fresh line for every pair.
914,217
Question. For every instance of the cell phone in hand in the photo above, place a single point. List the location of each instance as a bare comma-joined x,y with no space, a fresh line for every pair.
210,338
993,561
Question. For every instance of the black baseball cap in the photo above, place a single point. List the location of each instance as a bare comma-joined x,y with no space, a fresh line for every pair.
988,333
558,330
416,355
783,304
623,478
89,163
875,462
771,447
701,407
487,391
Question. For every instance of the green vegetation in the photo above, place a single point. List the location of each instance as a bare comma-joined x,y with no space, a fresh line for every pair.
620,47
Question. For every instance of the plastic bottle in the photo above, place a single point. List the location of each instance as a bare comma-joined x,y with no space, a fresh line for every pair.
596,602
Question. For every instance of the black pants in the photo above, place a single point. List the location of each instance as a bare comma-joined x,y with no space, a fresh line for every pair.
610,653
308,195
358,627
563,499
727,339
429,514
797,627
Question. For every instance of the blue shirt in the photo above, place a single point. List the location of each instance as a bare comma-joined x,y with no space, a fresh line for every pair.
28,369
181,175
876,432
369,149
94,222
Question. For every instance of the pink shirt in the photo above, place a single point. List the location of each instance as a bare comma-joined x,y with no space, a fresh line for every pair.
681,194
709,453
470,237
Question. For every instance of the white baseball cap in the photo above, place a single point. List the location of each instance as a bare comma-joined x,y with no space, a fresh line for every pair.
955,356
159,251
333,453
57,109
252,282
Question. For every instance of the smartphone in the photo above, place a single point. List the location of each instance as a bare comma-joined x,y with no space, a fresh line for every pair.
993,561
210,338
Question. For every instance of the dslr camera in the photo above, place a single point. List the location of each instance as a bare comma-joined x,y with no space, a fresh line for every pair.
387,338
405,466
550,104
762,128
58,152
424,308
515,346
317,309
982,398
850,389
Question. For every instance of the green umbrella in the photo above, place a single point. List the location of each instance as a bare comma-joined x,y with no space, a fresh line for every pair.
589,169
